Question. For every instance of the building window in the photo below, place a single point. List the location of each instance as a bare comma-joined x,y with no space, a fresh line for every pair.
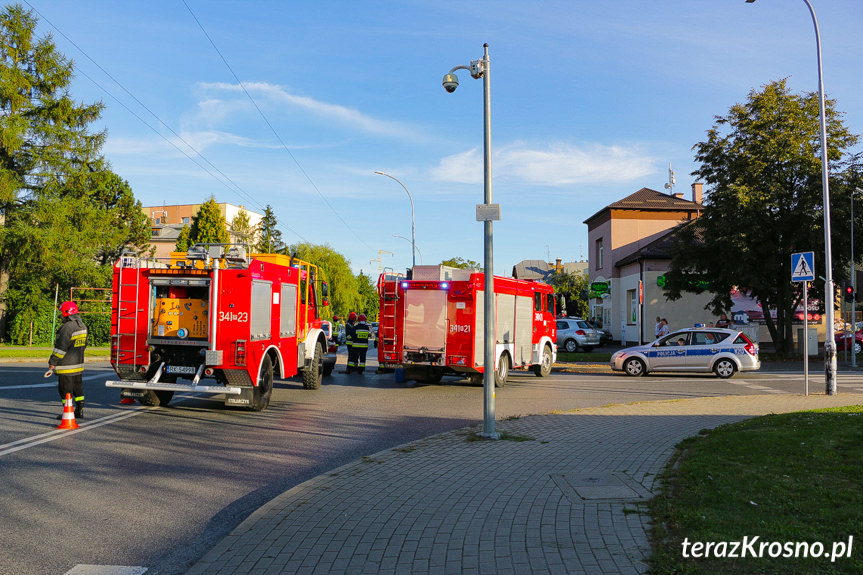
599,254
632,298
186,220
158,221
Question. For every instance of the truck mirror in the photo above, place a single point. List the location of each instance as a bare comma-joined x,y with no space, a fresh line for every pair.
325,290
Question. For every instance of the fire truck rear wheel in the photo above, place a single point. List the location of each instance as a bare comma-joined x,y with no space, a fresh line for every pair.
264,390
312,374
154,398
502,370
544,367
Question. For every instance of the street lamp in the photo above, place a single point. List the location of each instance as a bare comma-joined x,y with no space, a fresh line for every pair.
412,244
853,284
413,232
829,340
486,213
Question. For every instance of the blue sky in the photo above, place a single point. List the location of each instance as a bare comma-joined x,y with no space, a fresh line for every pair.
590,102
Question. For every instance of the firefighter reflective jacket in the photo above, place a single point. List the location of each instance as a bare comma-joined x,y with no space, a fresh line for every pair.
362,333
68,356
350,330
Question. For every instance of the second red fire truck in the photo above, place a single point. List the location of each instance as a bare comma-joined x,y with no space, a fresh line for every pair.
432,324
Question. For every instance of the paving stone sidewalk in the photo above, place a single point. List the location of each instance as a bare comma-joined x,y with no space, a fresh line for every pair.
561,493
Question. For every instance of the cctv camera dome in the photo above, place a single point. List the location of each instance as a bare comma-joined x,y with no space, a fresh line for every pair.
450,82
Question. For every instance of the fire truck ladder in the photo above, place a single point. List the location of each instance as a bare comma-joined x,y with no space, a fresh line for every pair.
389,291
127,310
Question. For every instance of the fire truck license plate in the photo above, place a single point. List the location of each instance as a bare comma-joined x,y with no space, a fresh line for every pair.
182,369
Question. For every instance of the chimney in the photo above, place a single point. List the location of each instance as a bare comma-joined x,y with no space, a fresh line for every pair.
557,265
678,195
697,193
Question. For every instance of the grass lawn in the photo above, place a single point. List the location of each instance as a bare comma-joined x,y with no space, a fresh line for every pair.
25,352
784,478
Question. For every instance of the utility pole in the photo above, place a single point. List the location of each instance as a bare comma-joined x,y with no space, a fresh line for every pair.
379,260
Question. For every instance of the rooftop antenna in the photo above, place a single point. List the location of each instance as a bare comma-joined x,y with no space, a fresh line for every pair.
671,181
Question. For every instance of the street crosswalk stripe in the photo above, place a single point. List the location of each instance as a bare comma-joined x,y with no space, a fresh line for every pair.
105,570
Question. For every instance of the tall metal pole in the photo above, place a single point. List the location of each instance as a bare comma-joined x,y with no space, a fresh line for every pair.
488,258
413,227
829,288
829,340
853,290
480,69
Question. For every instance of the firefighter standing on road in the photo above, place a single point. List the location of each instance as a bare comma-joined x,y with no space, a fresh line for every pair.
67,360
362,333
349,341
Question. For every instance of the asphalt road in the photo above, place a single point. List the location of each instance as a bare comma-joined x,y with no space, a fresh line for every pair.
157,487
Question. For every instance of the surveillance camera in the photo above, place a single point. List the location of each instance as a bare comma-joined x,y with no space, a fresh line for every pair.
450,82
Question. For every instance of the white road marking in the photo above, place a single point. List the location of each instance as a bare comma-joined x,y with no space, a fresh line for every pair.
105,570
28,442
51,383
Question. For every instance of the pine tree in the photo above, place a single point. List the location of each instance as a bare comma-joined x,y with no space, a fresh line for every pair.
209,226
270,238
52,172
184,239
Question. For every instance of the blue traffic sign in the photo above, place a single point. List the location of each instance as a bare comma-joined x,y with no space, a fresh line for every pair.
803,267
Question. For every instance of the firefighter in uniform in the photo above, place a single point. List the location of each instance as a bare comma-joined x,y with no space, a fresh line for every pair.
362,333
67,360
349,341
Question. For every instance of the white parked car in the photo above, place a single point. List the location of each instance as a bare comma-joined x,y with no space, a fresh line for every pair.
722,351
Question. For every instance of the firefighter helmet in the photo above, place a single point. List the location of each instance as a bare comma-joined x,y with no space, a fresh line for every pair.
68,308
352,317
362,317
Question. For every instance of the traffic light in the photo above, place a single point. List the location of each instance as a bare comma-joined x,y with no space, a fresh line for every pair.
849,293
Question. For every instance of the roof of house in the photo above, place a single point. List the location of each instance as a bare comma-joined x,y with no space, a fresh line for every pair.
167,232
531,270
646,199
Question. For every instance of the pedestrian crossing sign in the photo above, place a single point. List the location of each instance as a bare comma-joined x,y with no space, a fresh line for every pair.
803,267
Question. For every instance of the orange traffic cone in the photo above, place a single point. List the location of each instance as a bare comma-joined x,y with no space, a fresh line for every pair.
68,421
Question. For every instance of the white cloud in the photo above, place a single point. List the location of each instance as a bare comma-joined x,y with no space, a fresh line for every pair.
554,165
188,143
344,116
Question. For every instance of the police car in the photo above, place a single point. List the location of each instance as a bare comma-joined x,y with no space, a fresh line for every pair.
721,351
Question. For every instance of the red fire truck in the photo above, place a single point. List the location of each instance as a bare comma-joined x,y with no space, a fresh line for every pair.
432,324
215,313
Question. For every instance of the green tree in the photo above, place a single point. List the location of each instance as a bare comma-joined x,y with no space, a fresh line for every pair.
369,298
573,286
761,162
269,238
64,216
242,230
209,226
460,263
344,287
184,240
